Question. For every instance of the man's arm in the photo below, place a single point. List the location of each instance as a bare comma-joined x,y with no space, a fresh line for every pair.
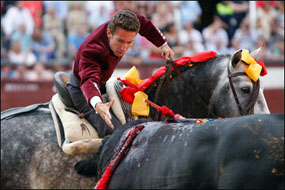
90,73
94,98
101,108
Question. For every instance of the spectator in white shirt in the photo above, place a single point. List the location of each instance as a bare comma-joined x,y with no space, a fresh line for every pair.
190,11
189,33
96,18
14,17
246,37
18,57
265,18
191,49
215,35
21,59
94,6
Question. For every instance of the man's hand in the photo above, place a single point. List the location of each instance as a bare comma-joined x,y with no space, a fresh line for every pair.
167,52
104,111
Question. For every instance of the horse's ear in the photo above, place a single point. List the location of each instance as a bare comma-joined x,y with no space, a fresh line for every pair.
236,58
256,53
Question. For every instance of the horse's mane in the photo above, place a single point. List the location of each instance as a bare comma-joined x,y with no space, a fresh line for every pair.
186,67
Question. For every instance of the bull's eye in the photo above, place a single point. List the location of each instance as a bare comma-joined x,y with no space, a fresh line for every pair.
245,90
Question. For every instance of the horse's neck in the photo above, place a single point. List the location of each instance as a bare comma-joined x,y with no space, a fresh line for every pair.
203,77
206,76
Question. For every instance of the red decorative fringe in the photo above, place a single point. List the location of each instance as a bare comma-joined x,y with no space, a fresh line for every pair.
103,182
166,111
182,61
203,56
264,70
132,133
127,94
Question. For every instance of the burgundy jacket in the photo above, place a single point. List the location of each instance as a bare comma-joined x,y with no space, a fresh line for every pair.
95,61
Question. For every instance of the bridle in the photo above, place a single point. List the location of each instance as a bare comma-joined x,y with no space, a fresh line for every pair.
249,104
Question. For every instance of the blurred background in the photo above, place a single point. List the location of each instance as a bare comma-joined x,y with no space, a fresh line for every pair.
39,38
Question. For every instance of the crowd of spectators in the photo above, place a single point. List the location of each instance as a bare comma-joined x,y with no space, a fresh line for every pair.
38,37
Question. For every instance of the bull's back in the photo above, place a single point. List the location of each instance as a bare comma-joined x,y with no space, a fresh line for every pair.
251,153
229,153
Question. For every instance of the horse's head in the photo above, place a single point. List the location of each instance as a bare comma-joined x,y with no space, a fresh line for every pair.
247,90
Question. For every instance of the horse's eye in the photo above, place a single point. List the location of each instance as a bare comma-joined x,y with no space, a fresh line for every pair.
245,90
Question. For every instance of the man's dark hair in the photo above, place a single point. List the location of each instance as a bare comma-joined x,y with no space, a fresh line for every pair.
126,20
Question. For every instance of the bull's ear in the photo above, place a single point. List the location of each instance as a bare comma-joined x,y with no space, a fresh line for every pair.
256,53
236,58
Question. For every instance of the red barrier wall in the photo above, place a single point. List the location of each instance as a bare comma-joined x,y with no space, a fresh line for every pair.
275,100
23,93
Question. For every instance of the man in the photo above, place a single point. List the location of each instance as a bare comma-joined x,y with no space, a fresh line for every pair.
96,60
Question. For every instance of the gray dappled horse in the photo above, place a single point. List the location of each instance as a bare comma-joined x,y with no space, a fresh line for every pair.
31,157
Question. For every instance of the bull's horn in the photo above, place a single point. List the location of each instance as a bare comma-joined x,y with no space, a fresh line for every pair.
82,146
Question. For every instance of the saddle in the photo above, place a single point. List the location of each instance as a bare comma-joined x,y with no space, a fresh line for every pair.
74,133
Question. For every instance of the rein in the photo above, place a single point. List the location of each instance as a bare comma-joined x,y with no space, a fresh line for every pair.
166,77
249,105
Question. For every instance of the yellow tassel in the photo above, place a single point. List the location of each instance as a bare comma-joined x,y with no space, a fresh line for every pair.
133,76
253,71
139,106
246,57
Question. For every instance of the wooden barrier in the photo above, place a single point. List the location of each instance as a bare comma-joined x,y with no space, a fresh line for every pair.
23,93
275,100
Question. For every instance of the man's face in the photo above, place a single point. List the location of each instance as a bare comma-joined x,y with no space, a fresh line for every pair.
120,41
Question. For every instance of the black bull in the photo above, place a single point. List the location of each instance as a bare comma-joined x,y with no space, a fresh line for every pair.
244,152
